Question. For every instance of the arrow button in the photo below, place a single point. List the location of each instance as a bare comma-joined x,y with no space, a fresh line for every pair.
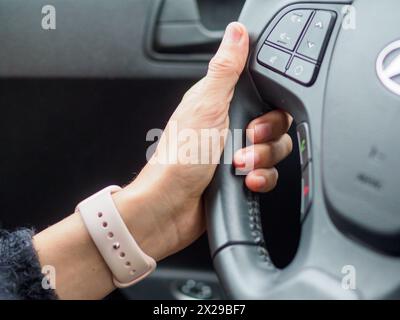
310,44
317,35
288,30
319,25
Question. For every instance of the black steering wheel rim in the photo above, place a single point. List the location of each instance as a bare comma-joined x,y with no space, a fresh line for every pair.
332,242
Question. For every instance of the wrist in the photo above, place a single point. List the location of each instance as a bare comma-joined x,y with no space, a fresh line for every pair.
141,216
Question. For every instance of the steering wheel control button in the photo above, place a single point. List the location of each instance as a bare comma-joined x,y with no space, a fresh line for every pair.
273,58
317,35
303,138
302,36
301,71
289,29
306,190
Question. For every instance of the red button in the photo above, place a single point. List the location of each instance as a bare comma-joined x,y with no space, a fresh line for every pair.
306,190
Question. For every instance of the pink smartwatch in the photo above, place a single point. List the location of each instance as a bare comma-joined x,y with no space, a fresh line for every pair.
127,262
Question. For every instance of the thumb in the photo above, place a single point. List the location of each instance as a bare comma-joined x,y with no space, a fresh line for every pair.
228,63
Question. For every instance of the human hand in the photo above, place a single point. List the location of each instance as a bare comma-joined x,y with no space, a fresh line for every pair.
162,206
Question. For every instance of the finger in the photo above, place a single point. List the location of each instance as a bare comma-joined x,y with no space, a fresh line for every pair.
269,127
264,155
228,63
262,180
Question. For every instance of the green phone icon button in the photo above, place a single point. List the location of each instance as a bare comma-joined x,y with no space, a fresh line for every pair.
303,145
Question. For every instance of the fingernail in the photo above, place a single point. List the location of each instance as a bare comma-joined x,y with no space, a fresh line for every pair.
239,159
245,159
233,33
260,181
262,132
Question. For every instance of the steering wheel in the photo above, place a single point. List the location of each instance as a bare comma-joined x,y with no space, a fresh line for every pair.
335,67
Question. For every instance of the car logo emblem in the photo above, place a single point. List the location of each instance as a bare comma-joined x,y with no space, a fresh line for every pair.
388,67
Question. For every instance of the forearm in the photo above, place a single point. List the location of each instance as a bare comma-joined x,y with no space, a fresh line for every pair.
81,272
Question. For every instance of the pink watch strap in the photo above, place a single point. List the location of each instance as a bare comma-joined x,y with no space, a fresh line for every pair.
127,262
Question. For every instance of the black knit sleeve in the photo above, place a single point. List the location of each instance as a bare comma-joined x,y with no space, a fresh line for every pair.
20,270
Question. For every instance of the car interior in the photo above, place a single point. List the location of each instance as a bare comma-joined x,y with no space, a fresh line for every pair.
77,102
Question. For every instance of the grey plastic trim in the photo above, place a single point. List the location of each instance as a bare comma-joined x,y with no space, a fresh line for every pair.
92,39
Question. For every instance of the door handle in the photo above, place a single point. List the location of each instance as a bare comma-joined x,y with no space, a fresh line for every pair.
180,30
